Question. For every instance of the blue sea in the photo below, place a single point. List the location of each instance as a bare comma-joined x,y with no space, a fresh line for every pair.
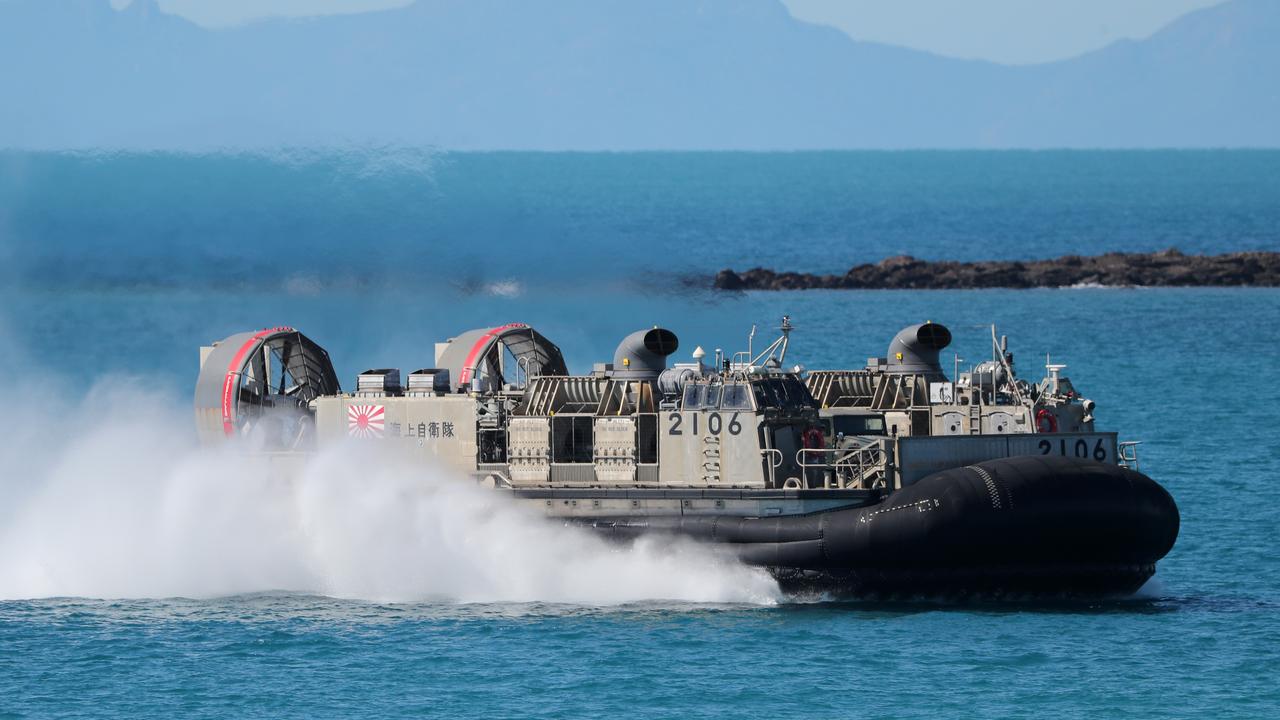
142,577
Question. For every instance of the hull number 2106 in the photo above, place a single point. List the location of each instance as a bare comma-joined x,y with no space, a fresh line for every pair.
1074,448
715,423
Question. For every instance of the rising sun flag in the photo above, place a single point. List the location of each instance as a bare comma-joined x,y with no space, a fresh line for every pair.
365,421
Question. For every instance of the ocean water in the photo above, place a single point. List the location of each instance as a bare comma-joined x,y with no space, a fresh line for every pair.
142,577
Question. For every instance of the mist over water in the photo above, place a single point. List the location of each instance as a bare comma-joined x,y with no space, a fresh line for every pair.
112,498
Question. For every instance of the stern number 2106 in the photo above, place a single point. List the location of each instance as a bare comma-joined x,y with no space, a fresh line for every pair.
1074,448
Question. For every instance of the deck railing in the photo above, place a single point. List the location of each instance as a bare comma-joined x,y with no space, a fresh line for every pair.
842,468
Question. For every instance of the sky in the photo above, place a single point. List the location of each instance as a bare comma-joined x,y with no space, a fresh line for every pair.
1005,31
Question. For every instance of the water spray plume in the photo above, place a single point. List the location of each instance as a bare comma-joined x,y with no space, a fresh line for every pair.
119,502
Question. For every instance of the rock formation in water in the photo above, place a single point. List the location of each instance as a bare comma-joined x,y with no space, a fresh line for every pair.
1164,269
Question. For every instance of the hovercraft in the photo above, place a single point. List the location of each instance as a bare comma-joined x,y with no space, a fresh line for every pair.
889,479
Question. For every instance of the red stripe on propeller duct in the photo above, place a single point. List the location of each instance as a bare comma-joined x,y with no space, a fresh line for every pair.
233,371
464,376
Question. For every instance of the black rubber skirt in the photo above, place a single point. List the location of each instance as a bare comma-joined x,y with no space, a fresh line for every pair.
1024,525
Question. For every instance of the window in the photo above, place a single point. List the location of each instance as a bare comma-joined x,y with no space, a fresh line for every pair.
735,397
694,396
859,424
787,393
794,394
493,446
765,397
712,400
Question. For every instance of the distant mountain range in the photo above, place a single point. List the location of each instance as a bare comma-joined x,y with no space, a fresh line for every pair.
610,75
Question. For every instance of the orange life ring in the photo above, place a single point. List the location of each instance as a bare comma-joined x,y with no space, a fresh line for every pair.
1046,422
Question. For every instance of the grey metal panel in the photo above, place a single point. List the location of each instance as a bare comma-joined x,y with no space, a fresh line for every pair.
441,428
919,457
614,450
557,493
681,494
713,494
529,448
593,508
579,473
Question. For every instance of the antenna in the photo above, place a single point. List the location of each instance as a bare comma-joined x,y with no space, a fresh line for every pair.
1054,371
785,328
778,347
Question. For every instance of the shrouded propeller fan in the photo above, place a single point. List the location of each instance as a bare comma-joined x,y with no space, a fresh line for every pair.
258,386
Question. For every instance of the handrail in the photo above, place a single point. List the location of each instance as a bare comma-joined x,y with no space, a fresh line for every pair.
860,460
1128,454
772,466
522,363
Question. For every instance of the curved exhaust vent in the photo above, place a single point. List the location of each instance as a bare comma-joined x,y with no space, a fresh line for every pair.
642,355
661,341
915,349
933,335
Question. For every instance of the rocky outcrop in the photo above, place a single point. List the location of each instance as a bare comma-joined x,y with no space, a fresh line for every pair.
1168,268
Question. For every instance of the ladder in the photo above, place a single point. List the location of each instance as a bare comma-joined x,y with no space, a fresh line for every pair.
862,466
711,463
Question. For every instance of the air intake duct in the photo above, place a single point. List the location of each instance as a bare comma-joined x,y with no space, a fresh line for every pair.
915,349
643,355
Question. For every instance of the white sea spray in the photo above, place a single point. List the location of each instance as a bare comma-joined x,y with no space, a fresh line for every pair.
111,497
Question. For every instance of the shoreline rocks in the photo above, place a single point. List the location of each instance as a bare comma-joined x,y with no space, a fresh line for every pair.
1168,268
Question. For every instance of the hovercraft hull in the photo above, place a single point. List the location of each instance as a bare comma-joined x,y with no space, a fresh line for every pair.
1021,525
